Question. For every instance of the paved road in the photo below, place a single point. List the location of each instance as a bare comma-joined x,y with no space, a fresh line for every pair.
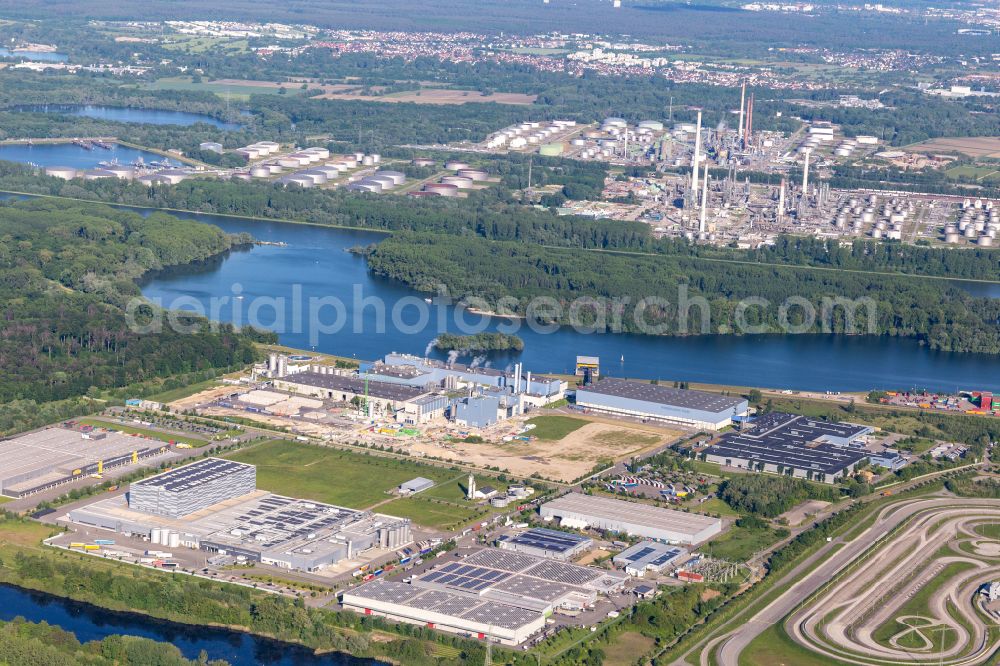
797,589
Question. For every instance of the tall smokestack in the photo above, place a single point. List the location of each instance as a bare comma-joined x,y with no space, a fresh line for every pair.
697,155
805,175
749,126
743,96
781,201
704,200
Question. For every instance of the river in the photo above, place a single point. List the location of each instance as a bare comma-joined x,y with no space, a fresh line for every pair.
316,263
124,114
90,623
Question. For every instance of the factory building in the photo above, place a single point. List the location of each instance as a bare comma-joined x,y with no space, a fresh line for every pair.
551,544
792,445
414,486
648,556
581,511
187,489
696,409
486,408
523,581
51,457
423,409
383,397
241,520
537,389
453,613
491,593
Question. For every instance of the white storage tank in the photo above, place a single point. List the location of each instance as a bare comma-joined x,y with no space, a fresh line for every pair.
64,172
260,172
397,177
454,165
474,174
367,160
175,540
154,535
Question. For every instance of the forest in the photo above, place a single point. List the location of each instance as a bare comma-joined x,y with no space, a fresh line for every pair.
478,342
32,643
771,496
933,312
494,214
67,274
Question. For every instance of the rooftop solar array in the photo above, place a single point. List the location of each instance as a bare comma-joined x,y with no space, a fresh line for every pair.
549,540
517,578
794,441
193,475
662,395
275,520
648,553
482,611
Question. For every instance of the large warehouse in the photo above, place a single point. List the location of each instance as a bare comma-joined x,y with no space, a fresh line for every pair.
263,527
697,409
47,458
454,613
493,592
793,445
605,513
192,487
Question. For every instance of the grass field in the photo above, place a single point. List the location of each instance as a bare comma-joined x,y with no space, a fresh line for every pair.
184,391
740,543
430,513
774,648
715,505
132,430
626,648
988,530
554,428
329,475
240,92
919,604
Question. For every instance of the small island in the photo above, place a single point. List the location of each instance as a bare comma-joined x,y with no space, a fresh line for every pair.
480,342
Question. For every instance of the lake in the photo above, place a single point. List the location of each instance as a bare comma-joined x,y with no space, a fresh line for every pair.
123,114
315,263
35,56
72,155
90,623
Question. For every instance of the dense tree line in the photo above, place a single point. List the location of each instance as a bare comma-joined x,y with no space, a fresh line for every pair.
495,215
933,312
67,274
478,342
27,643
770,496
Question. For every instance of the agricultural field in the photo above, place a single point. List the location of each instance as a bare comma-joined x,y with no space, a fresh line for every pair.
334,476
436,96
975,147
986,173
234,91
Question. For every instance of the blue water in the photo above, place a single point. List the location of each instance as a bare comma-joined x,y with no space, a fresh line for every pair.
34,56
71,155
90,623
316,262
131,115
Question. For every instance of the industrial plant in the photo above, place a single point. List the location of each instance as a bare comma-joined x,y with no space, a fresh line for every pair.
213,505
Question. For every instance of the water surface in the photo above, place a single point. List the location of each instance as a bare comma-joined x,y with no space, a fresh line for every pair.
91,623
130,115
315,263
72,155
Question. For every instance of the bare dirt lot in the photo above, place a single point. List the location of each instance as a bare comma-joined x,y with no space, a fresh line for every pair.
565,459
799,513
979,146
435,96
202,398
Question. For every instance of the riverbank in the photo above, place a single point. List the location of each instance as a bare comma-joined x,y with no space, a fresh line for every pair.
181,606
